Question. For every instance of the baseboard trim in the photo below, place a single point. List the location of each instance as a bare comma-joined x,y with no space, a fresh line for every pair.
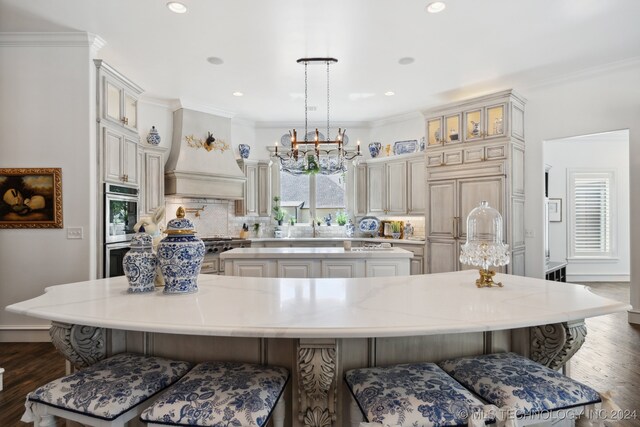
579,278
634,317
25,333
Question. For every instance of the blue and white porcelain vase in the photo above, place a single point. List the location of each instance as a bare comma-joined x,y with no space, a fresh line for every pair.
139,264
350,228
154,137
180,255
244,150
374,149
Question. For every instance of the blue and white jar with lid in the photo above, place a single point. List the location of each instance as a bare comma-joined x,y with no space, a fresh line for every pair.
139,264
180,255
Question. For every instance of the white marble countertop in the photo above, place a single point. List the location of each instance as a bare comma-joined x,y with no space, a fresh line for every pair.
322,308
315,253
339,239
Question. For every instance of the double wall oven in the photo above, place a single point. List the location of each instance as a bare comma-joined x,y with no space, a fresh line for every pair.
120,215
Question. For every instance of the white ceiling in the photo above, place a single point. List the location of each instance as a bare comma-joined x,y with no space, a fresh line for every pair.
473,47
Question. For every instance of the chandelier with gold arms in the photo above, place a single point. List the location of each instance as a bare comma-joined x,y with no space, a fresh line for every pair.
311,149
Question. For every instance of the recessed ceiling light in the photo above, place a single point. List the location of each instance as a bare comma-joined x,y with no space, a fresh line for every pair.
406,60
389,93
215,60
176,7
238,94
436,6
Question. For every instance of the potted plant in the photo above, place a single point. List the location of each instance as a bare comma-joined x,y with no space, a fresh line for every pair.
342,218
278,212
396,228
256,229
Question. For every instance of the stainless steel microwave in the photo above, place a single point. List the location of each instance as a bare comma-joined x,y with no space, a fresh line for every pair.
120,212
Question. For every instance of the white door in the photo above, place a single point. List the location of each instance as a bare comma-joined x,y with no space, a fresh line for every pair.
442,209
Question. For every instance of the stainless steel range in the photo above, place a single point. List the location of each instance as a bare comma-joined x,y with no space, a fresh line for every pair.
214,246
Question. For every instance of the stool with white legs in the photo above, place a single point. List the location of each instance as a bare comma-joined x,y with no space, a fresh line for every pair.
222,393
524,390
414,394
106,394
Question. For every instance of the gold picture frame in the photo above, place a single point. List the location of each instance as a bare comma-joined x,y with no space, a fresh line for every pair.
31,198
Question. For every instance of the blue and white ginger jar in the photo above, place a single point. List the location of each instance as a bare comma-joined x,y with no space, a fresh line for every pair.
140,264
180,255
374,149
350,228
244,150
154,137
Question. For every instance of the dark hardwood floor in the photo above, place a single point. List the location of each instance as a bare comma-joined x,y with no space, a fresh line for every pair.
608,361
26,367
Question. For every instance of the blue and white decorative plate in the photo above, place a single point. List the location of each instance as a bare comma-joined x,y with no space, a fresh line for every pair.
369,225
404,147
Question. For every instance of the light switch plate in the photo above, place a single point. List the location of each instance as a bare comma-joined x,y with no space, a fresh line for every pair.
529,233
74,232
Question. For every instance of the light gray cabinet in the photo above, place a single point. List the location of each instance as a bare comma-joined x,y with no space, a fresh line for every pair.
488,165
395,185
117,117
117,97
119,157
257,189
151,179
360,189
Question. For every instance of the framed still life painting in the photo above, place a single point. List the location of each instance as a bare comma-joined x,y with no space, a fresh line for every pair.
31,198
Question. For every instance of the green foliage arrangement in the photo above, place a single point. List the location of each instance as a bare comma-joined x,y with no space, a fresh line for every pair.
278,212
342,217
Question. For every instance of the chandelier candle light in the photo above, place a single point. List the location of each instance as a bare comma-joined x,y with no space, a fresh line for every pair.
484,247
302,147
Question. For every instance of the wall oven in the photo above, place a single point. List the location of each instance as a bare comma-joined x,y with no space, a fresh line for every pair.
120,215
120,212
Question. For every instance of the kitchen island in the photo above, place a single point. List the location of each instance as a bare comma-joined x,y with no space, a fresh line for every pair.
314,262
322,326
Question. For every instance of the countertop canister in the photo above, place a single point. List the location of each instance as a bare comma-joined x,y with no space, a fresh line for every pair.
139,264
180,255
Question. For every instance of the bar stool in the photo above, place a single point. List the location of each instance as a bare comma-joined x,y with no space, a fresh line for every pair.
106,394
222,393
415,394
527,391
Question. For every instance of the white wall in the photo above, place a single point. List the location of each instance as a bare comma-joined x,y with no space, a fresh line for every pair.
46,120
152,112
401,128
603,151
586,104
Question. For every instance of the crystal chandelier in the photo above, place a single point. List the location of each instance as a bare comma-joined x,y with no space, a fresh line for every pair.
310,149
484,247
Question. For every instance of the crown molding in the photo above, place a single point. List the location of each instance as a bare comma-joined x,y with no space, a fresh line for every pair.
203,108
158,102
586,73
243,122
52,39
396,119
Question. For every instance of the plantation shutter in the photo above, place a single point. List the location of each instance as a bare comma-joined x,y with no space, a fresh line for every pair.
591,213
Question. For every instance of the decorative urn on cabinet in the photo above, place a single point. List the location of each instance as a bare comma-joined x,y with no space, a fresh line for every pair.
139,264
180,255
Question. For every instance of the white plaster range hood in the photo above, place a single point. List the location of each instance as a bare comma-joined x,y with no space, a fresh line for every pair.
192,170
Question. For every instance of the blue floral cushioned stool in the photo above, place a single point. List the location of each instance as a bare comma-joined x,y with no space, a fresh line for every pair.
417,394
222,394
523,388
108,393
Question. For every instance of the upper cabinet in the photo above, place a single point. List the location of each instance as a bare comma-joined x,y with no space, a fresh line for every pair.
119,157
394,185
117,97
257,189
486,118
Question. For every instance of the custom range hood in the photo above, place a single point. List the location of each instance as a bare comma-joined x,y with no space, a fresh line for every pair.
201,162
